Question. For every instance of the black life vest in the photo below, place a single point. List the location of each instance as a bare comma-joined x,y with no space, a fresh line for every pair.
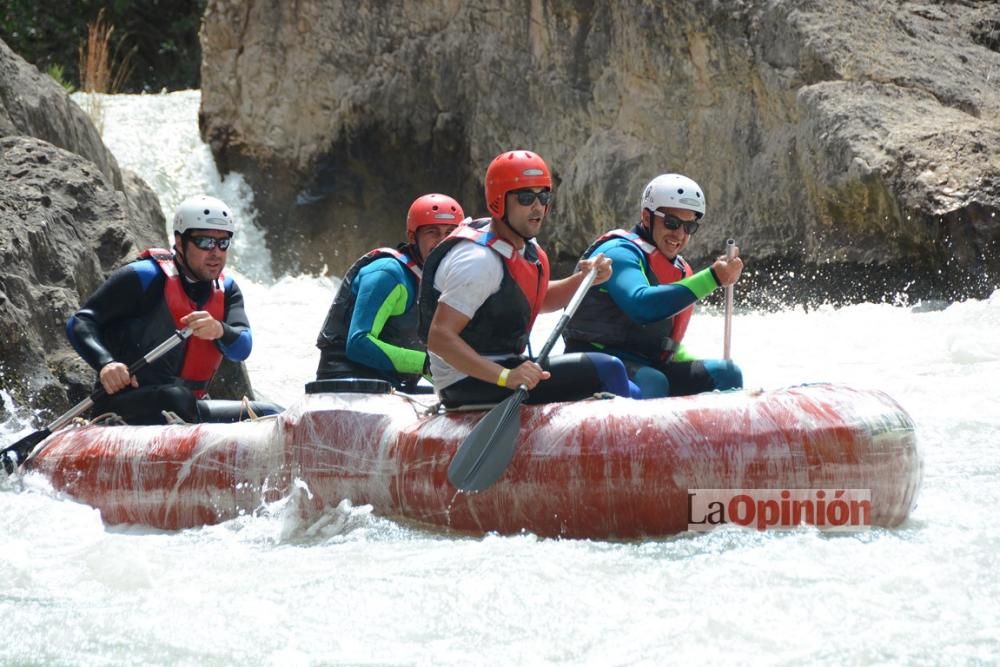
599,319
399,330
503,322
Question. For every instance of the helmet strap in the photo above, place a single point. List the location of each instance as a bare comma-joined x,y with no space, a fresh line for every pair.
644,229
413,250
180,258
506,221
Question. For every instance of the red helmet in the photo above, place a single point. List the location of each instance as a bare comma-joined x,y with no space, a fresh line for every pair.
433,209
513,170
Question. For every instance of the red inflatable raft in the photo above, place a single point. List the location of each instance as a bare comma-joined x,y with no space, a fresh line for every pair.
592,469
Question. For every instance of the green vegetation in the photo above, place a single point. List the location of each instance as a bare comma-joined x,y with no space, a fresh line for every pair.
56,72
162,36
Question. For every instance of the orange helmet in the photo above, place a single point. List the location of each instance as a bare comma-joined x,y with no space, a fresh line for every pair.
433,209
513,170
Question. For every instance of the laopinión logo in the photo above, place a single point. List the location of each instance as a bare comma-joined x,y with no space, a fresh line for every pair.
780,509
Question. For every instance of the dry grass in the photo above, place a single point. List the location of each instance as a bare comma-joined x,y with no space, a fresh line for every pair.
102,71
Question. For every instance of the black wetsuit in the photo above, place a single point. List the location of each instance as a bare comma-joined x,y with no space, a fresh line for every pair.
128,316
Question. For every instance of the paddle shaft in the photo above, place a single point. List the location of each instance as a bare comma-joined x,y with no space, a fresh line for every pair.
489,448
728,339
175,339
571,307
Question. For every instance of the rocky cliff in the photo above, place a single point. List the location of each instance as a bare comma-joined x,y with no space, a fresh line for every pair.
857,143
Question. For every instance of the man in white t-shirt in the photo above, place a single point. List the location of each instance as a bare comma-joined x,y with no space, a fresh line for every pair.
485,284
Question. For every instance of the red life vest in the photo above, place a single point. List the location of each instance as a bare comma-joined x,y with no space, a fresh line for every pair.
502,323
202,358
531,277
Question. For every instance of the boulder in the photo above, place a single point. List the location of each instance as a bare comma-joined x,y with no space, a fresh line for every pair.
34,105
852,143
63,229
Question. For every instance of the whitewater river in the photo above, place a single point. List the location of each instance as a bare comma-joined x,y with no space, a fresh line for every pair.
349,587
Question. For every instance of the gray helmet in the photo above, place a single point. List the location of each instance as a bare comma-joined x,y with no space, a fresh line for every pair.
674,191
203,212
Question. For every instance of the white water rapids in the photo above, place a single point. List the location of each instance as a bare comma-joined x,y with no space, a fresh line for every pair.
348,587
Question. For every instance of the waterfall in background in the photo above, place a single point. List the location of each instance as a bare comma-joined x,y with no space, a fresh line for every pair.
152,135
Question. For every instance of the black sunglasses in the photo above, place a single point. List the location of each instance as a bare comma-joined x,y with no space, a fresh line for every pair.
673,222
209,242
526,197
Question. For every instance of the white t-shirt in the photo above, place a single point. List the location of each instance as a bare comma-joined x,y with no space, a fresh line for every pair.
467,276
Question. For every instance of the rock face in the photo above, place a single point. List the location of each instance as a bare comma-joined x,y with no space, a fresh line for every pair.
832,137
33,105
68,217
64,230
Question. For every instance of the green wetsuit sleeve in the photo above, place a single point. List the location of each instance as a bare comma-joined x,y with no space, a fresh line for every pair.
403,360
701,284
382,290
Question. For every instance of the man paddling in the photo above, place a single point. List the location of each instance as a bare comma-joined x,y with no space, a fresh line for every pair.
370,330
144,302
642,313
483,288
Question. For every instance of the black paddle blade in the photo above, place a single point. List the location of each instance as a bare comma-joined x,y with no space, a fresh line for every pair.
489,448
14,455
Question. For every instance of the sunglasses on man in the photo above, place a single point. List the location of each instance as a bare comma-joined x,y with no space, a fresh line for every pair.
209,242
526,197
673,222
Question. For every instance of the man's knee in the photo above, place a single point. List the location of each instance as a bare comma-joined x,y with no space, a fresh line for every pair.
145,405
612,374
652,383
725,374
178,399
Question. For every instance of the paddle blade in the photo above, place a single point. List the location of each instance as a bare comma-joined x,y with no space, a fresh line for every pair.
16,454
489,448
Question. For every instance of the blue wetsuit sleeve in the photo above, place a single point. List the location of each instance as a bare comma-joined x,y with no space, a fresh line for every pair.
382,290
128,292
631,290
237,340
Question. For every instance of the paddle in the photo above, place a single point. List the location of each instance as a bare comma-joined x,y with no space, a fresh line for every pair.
489,448
20,451
727,341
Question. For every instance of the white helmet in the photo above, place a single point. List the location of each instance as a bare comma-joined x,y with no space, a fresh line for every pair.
674,191
203,212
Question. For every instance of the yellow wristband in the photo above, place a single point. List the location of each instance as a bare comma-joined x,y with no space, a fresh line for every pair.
502,380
